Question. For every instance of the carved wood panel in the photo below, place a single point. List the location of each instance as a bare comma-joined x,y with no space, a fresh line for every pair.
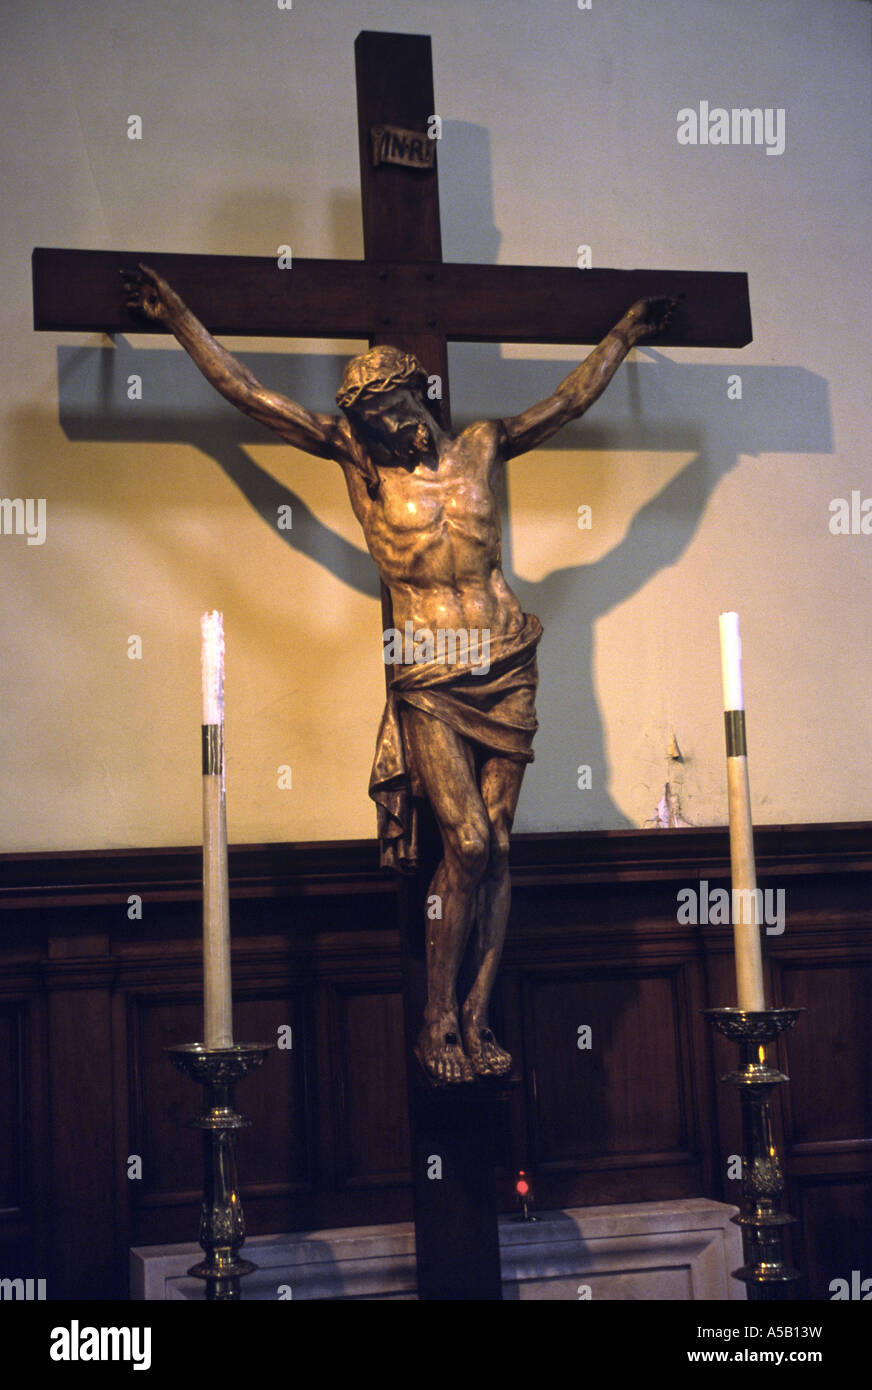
89,999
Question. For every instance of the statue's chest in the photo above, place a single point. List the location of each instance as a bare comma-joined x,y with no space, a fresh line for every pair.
423,502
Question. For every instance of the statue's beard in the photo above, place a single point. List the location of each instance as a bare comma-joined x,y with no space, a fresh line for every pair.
420,441
407,448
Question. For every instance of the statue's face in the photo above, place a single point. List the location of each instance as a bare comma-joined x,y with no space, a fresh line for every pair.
399,421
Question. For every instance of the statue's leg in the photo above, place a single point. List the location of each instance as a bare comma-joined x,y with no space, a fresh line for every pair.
500,786
445,766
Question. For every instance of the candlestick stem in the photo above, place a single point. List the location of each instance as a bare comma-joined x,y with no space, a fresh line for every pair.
762,1223
222,1224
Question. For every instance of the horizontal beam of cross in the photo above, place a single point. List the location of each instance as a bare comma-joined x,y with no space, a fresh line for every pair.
251,296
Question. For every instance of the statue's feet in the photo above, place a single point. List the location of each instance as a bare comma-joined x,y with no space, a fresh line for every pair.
483,1050
441,1054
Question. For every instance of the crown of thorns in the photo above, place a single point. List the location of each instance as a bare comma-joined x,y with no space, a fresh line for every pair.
374,372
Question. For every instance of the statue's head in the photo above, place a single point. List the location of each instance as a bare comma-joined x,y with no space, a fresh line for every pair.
383,396
375,373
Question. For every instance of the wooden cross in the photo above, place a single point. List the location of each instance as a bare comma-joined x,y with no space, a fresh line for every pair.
404,294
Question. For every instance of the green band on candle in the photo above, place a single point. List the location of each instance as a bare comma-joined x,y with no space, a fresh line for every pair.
734,725
213,749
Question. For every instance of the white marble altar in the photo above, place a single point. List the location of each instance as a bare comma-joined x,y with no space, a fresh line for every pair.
682,1250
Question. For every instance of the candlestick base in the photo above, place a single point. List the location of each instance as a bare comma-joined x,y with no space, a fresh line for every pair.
764,1272
222,1225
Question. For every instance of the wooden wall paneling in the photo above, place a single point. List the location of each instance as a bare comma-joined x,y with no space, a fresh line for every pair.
362,1124
647,988
329,1095
17,1214
373,1137
835,1215
725,1142
25,1215
79,977
129,1139
274,984
827,1108
158,1003
623,1116
704,1083
828,1054
593,938
13,1198
275,1153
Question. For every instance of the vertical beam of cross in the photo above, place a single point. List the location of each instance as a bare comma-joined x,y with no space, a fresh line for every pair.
400,205
451,1136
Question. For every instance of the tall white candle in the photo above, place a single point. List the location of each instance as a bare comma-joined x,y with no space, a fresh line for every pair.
217,999
731,661
745,901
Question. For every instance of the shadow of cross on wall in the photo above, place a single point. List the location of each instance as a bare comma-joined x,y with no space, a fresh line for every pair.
654,405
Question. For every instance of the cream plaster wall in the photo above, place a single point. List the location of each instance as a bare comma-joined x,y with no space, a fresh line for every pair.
560,129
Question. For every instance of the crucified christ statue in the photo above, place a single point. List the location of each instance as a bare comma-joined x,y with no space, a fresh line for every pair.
457,732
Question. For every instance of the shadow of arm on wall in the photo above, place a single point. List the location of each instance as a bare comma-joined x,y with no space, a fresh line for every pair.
781,409
172,404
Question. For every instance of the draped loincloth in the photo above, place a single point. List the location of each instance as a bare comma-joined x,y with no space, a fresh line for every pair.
495,710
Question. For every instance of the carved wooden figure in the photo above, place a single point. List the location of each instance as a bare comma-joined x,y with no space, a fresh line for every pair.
460,716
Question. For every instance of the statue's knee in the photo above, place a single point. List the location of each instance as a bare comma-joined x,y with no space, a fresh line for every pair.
471,850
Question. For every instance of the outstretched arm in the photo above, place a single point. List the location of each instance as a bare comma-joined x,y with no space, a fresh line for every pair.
587,383
323,435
